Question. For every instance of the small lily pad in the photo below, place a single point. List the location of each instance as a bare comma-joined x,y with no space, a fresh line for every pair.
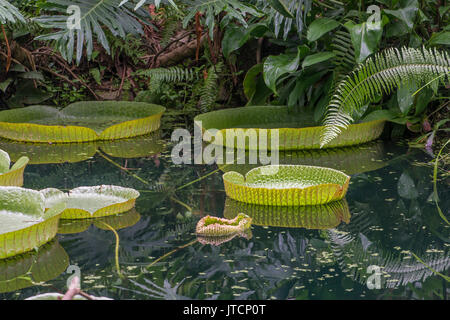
11,176
81,121
287,185
324,216
92,202
219,227
23,271
296,131
24,222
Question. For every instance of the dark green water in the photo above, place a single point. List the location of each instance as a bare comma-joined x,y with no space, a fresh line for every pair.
391,216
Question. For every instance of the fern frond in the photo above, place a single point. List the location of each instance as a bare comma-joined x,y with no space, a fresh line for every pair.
69,37
9,13
382,74
209,90
345,54
168,75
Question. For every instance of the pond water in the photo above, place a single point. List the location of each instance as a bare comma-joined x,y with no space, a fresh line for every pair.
388,222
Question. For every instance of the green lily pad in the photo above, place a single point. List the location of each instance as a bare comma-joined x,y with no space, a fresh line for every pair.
211,226
325,216
350,160
296,131
81,121
92,202
117,222
11,176
25,270
43,153
287,185
24,222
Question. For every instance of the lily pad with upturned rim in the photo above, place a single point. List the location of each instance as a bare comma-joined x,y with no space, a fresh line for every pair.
11,176
324,216
287,185
81,121
296,130
92,202
24,222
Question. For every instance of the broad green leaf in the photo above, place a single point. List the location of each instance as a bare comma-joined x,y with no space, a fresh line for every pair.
317,58
319,27
406,13
405,98
441,38
281,7
365,38
5,84
249,83
276,66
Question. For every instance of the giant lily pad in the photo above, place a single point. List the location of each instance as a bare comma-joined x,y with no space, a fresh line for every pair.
25,270
120,221
350,160
287,185
324,216
296,131
11,176
92,202
219,240
24,222
81,121
42,153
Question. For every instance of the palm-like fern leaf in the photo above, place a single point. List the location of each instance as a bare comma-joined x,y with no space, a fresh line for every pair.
119,20
383,73
9,13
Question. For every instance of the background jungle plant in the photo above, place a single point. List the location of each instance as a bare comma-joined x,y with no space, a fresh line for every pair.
195,55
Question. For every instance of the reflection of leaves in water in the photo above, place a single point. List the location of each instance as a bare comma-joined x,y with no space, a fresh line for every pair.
152,290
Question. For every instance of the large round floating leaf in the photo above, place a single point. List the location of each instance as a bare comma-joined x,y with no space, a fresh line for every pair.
92,202
350,160
81,121
117,222
11,176
24,222
296,131
325,216
24,270
43,153
287,185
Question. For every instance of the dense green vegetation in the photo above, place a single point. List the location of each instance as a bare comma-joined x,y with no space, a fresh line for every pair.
197,56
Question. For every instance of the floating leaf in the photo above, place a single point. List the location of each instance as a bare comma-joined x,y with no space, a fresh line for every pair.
296,130
80,122
24,222
287,185
92,202
219,227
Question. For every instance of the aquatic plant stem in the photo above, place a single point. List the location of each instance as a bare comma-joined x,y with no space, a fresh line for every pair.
201,178
435,194
430,268
181,203
171,252
122,168
116,248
